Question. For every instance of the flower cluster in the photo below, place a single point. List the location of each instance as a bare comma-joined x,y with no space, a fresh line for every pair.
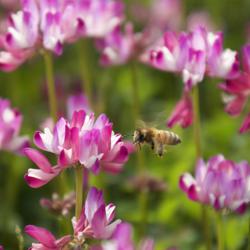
94,222
10,124
82,140
96,217
49,24
220,183
193,54
238,90
122,239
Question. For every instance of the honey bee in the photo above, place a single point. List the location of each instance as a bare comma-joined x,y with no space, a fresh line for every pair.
156,138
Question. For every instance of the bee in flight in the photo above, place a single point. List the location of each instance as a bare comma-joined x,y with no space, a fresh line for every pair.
156,138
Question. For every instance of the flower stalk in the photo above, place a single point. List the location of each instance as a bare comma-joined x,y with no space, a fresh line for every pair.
248,247
84,70
79,190
220,232
50,84
198,149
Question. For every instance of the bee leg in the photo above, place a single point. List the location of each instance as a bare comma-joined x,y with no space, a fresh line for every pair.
152,145
160,150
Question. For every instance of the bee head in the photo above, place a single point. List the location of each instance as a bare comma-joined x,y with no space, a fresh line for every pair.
139,136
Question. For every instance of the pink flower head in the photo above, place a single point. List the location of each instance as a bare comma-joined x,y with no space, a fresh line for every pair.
117,47
82,140
220,183
96,218
50,24
46,239
58,24
1,248
220,63
171,56
100,17
9,61
238,90
10,124
122,240
23,30
195,54
182,113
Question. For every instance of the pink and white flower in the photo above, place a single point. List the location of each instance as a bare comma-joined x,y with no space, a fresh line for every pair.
117,47
50,24
195,54
46,239
96,218
221,183
82,140
238,90
10,125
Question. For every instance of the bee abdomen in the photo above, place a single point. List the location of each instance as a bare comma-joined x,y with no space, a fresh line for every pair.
172,138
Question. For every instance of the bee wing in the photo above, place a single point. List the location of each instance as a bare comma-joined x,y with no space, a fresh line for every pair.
141,124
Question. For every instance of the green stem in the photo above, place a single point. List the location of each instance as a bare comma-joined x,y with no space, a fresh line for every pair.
79,190
197,123
248,234
198,149
206,226
135,92
220,232
84,70
50,84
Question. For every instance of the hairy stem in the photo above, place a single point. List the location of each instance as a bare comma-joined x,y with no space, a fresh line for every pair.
50,84
198,149
79,190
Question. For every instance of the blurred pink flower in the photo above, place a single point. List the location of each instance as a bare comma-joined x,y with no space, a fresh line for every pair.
96,218
60,206
117,47
193,54
171,54
46,239
238,90
122,240
10,4
165,14
50,24
245,124
220,183
220,63
200,19
100,17
77,102
10,125
182,113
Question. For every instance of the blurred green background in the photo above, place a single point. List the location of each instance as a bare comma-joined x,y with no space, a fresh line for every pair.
172,220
